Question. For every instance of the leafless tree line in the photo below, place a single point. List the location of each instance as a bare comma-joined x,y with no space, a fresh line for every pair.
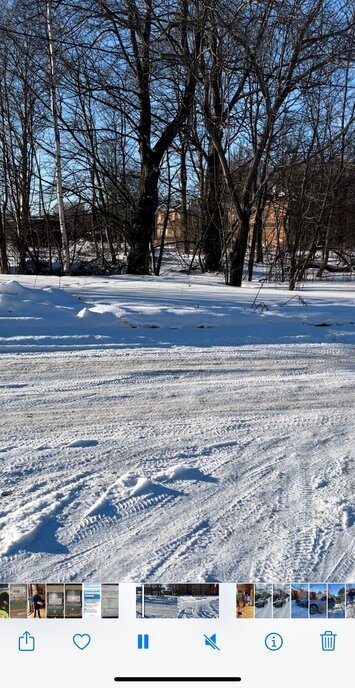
238,115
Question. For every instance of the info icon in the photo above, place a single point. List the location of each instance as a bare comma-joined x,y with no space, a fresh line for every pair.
274,642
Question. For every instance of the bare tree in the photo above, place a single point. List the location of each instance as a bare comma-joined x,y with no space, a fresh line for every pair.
285,52
56,129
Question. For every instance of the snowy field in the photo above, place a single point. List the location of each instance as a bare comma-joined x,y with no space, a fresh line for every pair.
163,607
198,607
164,429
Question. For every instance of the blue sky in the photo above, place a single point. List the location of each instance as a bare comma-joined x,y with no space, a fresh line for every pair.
318,587
335,587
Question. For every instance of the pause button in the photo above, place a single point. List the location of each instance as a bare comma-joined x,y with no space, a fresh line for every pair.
143,641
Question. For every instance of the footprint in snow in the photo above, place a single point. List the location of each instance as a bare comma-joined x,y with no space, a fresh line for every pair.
322,484
189,473
108,503
348,517
83,443
141,485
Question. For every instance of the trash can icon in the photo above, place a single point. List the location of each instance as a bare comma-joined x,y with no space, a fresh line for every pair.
328,641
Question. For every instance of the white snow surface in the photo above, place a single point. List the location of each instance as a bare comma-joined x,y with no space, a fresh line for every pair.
198,607
162,607
298,611
51,313
337,612
350,610
264,612
282,612
162,429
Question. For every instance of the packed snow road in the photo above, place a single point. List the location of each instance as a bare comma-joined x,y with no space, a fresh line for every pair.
178,464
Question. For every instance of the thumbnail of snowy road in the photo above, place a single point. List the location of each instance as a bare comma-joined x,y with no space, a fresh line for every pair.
173,433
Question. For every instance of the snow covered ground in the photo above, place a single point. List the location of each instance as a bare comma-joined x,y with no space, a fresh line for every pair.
264,612
282,612
51,313
163,607
298,611
164,429
190,607
337,612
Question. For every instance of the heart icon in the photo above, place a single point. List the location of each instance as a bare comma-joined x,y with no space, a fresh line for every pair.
81,640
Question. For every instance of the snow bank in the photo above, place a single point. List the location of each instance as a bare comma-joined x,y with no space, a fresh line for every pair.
33,303
121,312
26,302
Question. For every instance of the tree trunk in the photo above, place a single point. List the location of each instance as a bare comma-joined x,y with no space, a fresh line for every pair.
212,244
258,223
58,152
21,242
259,243
157,267
143,226
326,250
238,254
4,261
183,182
293,272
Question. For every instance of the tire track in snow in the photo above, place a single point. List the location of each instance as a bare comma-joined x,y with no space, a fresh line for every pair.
271,424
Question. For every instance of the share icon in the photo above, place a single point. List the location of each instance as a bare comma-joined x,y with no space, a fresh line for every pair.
211,641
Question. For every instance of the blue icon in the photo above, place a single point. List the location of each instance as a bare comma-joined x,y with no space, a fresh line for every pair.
81,640
328,641
143,641
274,642
211,641
26,642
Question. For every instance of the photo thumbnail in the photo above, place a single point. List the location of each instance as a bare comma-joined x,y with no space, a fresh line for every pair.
55,601
177,601
336,600
282,601
318,600
263,601
350,600
300,601
18,601
245,601
36,597
4,601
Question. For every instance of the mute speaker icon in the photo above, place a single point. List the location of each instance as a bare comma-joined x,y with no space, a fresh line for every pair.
211,641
